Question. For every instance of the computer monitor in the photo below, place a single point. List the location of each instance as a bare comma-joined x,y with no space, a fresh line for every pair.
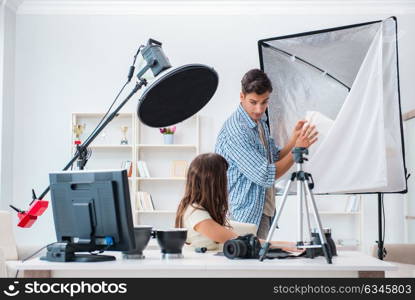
92,212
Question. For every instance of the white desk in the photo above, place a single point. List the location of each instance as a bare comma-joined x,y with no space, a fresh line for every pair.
346,264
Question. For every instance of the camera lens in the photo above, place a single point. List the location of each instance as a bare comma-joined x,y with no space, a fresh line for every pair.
235,248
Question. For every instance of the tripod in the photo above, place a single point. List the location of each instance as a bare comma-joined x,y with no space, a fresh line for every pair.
304,186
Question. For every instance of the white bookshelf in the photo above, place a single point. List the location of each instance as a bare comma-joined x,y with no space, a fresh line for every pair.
144,143
156,212
345,225
166,190
161,179
109,153
338,213
165,147
110,146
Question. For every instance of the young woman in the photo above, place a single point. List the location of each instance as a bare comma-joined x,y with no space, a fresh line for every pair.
204,207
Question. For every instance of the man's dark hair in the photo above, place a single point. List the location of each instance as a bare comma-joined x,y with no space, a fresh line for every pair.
256,81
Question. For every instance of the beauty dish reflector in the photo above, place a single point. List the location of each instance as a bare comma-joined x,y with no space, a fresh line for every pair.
177,94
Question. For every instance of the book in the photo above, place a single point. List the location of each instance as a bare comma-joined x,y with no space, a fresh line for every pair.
146,169
148,202
352,204
142,169
144,201
356,204
127,165
138,204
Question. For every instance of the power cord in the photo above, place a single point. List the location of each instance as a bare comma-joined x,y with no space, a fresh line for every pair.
100,251
384,227
129,77
33,254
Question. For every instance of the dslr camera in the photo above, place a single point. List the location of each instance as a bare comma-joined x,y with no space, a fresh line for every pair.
245,246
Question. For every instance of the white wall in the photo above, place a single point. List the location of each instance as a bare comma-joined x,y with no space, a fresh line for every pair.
7,46
72,63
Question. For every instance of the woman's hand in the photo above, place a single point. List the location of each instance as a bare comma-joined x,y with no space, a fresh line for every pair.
307,137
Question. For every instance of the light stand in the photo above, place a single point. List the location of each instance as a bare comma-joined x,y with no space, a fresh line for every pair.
157,62
173,97
304,186
381,250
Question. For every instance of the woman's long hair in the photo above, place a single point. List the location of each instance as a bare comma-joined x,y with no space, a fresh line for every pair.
206,187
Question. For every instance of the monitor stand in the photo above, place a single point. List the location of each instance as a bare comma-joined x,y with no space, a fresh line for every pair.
63,252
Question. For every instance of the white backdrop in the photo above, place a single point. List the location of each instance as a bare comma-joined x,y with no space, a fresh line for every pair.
72,63
361,150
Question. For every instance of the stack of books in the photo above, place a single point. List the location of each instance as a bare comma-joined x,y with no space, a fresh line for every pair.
128,165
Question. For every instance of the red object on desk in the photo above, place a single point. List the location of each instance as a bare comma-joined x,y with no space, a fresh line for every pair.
27,218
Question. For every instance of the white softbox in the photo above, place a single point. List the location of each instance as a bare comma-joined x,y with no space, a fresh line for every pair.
345,81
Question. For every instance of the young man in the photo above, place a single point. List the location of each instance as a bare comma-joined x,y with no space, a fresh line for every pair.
254,159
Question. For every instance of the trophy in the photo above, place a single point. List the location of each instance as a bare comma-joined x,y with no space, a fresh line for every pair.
124,140
103,138
78,130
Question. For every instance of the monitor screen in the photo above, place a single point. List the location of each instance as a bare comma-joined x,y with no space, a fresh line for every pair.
92,211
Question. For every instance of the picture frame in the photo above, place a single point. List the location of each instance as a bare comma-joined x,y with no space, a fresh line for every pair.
178,168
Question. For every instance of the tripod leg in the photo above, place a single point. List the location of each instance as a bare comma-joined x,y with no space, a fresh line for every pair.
264,249
300,240
323,240
307,211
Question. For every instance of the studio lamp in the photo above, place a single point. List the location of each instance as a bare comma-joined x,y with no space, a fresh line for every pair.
171,96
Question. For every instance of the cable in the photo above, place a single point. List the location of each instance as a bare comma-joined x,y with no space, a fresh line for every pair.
103,118
129,77
101,251
106,114
33,254
384,228
382,204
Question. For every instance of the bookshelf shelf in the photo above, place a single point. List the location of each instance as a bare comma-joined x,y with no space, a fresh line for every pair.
337,213
155,211
110,147
161,179
142,147
99,115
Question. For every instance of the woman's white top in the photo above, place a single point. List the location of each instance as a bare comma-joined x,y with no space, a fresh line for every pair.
193,216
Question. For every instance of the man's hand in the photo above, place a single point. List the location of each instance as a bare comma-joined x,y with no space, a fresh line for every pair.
307,137
297,131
